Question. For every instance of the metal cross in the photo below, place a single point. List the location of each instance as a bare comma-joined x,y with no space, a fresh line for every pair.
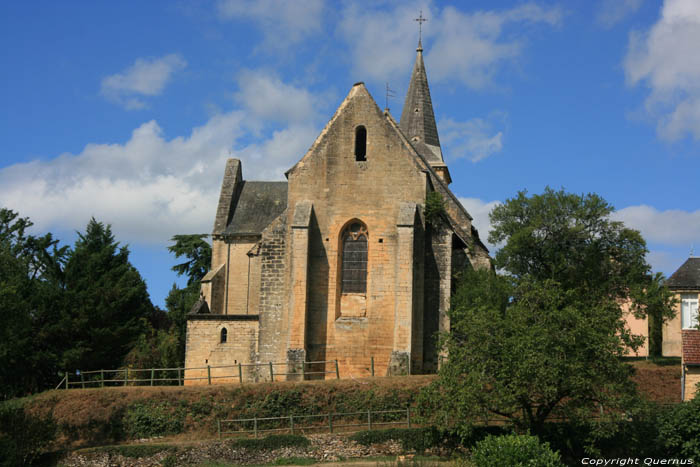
420,20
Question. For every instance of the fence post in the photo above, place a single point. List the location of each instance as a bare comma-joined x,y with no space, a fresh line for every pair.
255,426
153,371
179,376
102,377
240,373
66,379
272,374
303,371
372,366
82,380
369,419
337,373
126,376
218,427
209,374
408,417
330,422
291,423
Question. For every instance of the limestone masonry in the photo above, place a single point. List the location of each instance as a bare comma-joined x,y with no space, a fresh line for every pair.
337,263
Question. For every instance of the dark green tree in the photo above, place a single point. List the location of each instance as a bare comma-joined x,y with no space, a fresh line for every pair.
106,304
545,338
30,286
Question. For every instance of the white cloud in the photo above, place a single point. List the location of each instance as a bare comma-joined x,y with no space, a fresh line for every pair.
268,97
612,12
670,227
480,210
283,23
465,47
146,77
150,188
665,59
475,139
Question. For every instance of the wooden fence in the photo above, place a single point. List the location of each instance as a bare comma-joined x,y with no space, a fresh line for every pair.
329,422
176,376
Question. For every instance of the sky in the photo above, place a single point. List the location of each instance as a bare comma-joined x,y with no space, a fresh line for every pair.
127,111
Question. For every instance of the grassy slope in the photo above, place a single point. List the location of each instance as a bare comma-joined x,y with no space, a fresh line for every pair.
95,416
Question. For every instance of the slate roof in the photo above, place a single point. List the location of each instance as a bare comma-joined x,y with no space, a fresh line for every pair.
687,276
691,346
417,116
257,206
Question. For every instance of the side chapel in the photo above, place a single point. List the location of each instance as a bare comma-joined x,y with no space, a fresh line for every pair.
338,262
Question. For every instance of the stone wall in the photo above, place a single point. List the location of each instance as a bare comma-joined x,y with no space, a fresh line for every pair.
204,347
343,189
692,378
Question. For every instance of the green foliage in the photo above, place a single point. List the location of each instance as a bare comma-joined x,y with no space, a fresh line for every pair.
150,418
515,451
295,461
270,442
546,338
181,300
434,208
679,429
198,254
106,301
23,437
419,439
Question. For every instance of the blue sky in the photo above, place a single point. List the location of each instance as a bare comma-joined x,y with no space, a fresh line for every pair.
127,111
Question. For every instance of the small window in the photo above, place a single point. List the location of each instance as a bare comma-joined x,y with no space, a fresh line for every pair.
361,144
354,261
224,334
689,311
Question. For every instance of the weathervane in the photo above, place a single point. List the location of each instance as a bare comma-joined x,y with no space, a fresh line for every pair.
389,93
420,20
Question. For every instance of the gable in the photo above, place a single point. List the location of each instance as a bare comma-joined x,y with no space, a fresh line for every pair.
687,276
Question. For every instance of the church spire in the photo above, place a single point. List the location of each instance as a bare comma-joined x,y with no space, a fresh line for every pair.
417,118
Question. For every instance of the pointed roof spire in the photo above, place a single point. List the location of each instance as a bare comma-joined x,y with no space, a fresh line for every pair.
417,117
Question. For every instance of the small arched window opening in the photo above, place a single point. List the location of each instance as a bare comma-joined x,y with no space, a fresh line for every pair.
361,144
354,260
224,335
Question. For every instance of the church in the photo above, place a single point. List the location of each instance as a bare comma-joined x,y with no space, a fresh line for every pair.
337,272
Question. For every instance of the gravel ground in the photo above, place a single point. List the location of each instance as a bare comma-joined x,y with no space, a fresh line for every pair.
324,448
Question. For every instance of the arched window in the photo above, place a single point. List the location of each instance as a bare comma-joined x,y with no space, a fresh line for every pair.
361,143
354,261
224,334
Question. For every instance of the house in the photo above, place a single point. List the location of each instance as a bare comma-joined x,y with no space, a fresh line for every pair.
338,262
681,336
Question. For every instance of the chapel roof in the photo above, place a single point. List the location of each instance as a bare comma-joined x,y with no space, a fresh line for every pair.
417,117
257,206
687,276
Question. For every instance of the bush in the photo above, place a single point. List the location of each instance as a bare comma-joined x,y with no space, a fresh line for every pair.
420,439
23,437
679,429
271,442
514,450
150,418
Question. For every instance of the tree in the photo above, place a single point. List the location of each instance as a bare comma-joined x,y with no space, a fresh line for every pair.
181,300
106,303
546,337
30,278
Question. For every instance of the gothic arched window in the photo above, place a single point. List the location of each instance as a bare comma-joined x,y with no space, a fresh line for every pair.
354,260
224,335
360,143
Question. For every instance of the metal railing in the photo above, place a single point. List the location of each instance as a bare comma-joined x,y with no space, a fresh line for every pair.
176,376
366,420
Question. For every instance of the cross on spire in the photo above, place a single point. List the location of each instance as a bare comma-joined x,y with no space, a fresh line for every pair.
420,20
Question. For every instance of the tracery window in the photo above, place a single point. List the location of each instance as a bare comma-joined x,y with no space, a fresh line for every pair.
224,335
354,260
361,143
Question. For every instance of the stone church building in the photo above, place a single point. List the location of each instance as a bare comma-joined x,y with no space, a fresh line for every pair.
338,262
